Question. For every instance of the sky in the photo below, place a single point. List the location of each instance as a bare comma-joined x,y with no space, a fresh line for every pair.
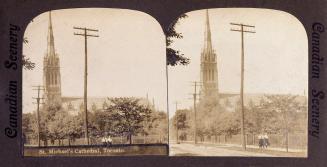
128,59
276,56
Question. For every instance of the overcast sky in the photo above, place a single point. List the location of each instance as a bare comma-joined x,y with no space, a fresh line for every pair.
128,59
276,56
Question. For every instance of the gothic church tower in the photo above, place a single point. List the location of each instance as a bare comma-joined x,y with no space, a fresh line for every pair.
51,71
209,70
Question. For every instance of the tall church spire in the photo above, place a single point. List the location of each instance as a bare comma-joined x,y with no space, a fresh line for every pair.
51,70
207,35
209,69
51,47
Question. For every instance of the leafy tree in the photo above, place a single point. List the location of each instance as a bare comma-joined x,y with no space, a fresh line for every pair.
129,114
94,107
47,114
180,121
70,106
160,125
105,105
59,126
285,107
74,127
81,107
26,62
103,122
29,126
27,121
174,57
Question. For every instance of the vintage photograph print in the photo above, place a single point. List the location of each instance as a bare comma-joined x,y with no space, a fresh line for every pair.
94,84
240,84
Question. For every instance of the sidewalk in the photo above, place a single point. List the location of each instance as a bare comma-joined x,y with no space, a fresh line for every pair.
269,148
248,146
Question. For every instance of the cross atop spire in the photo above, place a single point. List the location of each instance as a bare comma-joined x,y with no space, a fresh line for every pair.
51,47
207,35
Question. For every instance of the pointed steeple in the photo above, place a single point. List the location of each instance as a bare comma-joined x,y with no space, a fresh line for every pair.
209,68
207,35
51,47
51,70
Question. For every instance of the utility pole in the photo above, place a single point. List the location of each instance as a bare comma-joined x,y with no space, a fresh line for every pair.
195,84
85,35
176,103
38,98
242,75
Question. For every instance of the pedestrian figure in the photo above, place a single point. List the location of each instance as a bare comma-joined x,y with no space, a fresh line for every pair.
106,140
109,140
266,141
260,138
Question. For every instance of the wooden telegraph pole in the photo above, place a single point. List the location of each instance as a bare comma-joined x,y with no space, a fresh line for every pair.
38,98
85,35
194,106
242,75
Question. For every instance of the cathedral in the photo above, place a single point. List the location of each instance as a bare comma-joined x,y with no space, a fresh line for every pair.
52,82
51,71
209,69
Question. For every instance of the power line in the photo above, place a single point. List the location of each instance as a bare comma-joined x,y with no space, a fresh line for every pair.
86,35
242,31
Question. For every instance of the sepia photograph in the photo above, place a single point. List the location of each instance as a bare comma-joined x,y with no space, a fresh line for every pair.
163,83
94,84
238,84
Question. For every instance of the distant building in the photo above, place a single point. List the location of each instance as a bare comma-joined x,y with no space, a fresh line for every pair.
74,105
51,71
52,83
231,101
209,69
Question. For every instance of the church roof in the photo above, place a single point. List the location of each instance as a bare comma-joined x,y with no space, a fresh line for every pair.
76,102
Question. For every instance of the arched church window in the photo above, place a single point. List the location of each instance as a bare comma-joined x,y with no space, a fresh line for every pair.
56,77
50,79
47,80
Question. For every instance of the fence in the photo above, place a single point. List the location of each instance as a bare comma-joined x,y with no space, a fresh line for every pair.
295,141
150,139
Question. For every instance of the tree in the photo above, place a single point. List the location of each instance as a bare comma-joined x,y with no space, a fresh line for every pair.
160,125
102,122
129,114
180,121
29,126
105,105
70,106
26,62
74,127
47,115
59,126
285,107
174,57
94,107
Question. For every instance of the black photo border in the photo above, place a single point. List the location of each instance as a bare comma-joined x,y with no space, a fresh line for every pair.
311,13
